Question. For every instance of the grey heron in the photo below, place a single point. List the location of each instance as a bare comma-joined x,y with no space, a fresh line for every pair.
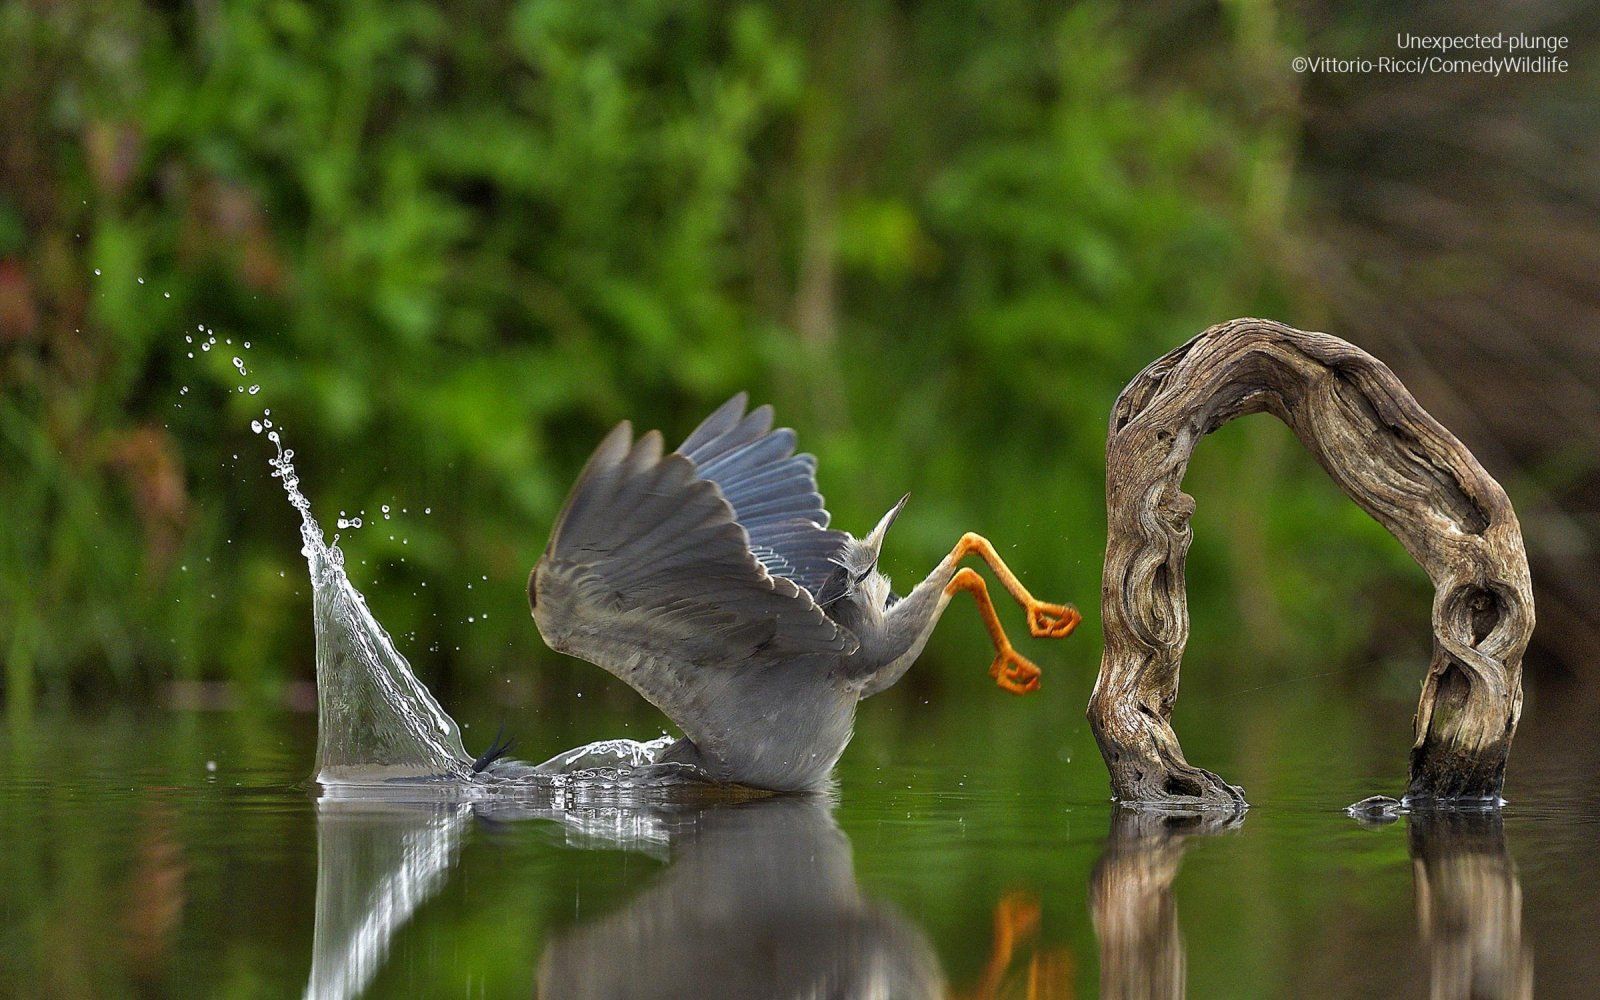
708,580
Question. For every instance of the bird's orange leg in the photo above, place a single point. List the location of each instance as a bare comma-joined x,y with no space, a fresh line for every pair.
1011,670
1045,620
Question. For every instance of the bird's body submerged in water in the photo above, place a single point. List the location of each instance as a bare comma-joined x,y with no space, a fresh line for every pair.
707,579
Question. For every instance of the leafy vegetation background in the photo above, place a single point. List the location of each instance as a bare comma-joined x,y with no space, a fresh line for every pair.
463,240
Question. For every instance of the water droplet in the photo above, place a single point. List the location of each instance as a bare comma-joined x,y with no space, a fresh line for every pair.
191,354
427,510
166,295
254,389
206,346
247,345
187,339
385,508
255,425
97,270
141,281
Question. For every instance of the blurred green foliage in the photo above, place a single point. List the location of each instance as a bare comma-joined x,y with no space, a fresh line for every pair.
461,241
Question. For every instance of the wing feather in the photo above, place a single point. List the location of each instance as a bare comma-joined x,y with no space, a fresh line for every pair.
649,575
772,491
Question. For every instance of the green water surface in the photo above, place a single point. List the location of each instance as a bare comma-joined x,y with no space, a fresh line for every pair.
969,849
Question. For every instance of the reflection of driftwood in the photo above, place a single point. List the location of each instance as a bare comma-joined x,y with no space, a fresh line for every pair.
1130,898
1392,459
1469,906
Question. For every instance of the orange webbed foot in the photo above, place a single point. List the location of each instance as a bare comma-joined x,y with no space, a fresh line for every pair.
1014,672
1052,621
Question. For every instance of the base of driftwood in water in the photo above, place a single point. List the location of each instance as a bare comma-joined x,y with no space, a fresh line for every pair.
1389,456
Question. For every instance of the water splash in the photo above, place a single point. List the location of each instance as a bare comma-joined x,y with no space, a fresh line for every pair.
377,724
376,721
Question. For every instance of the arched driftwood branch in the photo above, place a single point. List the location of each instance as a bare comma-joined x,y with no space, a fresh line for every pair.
1395,461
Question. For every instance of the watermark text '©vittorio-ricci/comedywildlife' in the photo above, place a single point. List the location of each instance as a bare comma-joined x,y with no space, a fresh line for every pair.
1480,55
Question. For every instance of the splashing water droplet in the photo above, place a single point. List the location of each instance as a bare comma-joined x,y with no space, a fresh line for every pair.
254,389
97,270
255,425
376,722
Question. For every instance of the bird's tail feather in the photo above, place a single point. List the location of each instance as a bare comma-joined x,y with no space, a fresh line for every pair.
497,748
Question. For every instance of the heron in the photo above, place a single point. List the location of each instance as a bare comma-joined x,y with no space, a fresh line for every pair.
708,580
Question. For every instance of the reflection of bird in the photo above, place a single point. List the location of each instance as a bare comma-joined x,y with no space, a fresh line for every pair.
1047,973
708,580
760,900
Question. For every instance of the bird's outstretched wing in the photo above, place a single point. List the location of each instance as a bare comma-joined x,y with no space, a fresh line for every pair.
773,491
649,575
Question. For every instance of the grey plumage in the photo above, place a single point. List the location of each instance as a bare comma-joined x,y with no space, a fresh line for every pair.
708,580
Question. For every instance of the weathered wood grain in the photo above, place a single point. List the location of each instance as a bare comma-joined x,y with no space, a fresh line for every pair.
1395,461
